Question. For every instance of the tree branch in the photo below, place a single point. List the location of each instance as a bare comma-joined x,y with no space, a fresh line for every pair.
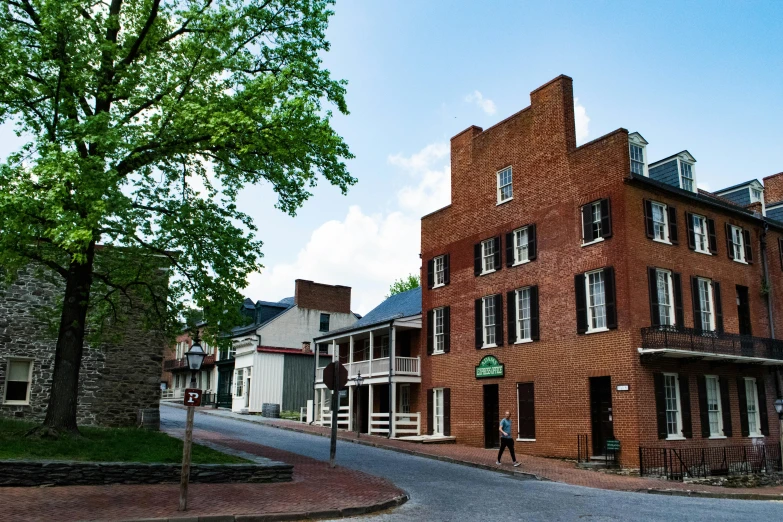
134,51
184,28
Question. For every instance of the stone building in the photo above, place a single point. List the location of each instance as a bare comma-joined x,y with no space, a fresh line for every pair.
116,380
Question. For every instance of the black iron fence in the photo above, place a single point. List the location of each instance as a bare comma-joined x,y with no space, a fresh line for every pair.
678,464
208,399
712,342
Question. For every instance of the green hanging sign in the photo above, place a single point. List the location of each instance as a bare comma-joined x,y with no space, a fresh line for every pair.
490,367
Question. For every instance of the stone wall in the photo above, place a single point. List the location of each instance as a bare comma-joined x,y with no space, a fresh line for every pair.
14,473
116,379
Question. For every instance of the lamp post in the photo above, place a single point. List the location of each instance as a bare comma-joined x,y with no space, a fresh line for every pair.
359,380
779,409
195,357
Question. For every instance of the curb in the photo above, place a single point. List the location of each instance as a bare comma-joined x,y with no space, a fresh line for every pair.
706,494
269,517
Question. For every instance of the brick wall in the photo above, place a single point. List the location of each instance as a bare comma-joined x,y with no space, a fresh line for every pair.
317,296
773,188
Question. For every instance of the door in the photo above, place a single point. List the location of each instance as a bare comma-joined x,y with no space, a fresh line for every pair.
364,409
601,413
405,399
224,388
491,416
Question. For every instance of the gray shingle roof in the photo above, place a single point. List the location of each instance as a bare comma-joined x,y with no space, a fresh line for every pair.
404,304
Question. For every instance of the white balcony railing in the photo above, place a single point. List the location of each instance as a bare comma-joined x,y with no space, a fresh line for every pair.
378,367
407,424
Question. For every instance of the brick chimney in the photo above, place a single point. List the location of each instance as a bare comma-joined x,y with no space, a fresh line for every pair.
773,188
306,347
316,296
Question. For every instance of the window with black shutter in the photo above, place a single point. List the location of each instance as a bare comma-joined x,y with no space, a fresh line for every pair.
713,239
596,221
648,219
430,331
761,391
718,306
534,322
511,316
581,303
477,259
430,409
532,249
685,404
673,233
725,405
527,410
606,219
479,315
509,249
430,273
748,248
652,282
704,410
743,407
446,269
447,412
696,304
679,316
499,319
689,228
611,298
446,329
660,405
498,262
780,251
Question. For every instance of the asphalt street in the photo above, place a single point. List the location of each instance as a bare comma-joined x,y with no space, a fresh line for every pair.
440,491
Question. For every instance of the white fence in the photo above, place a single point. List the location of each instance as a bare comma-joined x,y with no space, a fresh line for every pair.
342,417
407,424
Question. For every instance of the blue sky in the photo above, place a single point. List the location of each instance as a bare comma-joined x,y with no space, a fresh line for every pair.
701,76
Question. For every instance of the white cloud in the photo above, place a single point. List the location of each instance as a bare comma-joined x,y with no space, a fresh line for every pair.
486,105
368,251
582,122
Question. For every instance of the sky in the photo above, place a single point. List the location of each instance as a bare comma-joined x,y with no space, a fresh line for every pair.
701,76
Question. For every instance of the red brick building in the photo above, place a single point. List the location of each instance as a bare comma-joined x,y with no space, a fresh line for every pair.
609,292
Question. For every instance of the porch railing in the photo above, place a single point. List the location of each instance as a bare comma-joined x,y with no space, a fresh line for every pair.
379,423
319,375
678,464
721,343
407,424
378,367
343,414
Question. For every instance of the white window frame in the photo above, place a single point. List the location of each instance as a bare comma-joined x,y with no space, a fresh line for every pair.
592,308
756,198
518,295
31,363
510,185
681,168
595,210
706,291
752,398
239,382
672,320
665,211
738,248
439,330
635,161
521,253
702,220
438,407
712,384
439,271
383,344
488,245
677,435
488,301
405,398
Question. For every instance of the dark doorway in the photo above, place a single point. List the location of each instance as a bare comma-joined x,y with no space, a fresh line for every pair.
743,315
491,416
363,405
601,413
225,378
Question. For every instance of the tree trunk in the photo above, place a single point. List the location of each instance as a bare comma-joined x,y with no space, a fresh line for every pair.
61,410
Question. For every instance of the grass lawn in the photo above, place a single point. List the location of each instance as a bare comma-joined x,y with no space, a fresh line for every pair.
103,445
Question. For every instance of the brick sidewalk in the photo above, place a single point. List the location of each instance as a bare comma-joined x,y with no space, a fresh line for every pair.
543,468
349,493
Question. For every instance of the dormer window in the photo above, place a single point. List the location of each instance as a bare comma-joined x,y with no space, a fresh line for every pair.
755,195
686,176
637,150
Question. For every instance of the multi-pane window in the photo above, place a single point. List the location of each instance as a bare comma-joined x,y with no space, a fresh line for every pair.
595,218
705,304
17,381
660,222
505,189
240,380
437,414
751,397
405,398
384,346
521,239
686,173
324,324
737,244
523,315
713,406
488,255
440,330
665,301
596,300
700,234
489,320
440,271
671,388
637,159
755,194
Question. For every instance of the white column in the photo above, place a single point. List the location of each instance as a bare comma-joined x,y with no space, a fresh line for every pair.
392,418
350,407
350,349
393,350
372,335
334,350
369,408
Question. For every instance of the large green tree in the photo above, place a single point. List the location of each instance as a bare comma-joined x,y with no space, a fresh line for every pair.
142,121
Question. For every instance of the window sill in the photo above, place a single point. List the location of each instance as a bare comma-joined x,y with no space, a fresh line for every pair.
504,201
593,242
740,261
16,403
702,252
438,286
717,437
517,263
597,330
485,346
438,353
523,341
526,440
488,272
662,241
677,437
756,436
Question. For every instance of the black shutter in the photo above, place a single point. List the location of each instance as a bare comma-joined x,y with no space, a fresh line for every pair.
606,219
660,405
743,407
509,249
718,306
446,329
725,405
430,273
673,234
479,325
689,227
610,298
761,391
581,303
748,248
499,320
511,314
498,257
527,410
477,259
587,226
780,251
712,237
704,411
679,316
685,404
729,242
447,411
696,305
531,242
652,282
649,228
446,270
430,407
430,331
534,323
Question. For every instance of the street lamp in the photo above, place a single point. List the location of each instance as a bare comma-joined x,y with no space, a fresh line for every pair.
195,356
779,409
359,380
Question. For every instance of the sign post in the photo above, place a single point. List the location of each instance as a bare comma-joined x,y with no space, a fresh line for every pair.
335,378
192,399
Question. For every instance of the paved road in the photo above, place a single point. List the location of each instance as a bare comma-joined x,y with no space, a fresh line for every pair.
441,491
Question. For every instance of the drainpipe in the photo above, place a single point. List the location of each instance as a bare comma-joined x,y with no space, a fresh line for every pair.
763,240
391,366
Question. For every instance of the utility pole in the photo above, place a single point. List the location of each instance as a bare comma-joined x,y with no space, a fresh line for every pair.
335,407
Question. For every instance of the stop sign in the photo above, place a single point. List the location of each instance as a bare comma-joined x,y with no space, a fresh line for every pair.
342,376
